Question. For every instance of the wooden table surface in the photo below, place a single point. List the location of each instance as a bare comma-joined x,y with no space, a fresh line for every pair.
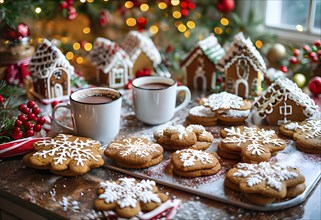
42,192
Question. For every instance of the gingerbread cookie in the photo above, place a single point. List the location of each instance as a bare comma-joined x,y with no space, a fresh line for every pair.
230,109
178,137
66,155
202,116
194,163
253,144
306,134
127,197
265,182
134,152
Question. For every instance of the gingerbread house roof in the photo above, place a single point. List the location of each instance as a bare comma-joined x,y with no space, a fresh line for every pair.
281,90
106,53
209,47
136,42
46,58
242,47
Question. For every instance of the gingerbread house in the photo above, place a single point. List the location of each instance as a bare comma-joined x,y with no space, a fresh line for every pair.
283,101
51,72
142,51
200,64
244,67
113,66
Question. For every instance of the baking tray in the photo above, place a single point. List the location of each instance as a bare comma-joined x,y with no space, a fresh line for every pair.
212,187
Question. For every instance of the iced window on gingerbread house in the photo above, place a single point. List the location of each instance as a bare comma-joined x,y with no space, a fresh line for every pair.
285,110
118,74
57,74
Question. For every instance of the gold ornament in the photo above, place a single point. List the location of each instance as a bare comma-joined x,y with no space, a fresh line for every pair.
275,54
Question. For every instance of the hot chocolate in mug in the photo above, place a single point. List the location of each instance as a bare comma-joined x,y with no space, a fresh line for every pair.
95,113
154,99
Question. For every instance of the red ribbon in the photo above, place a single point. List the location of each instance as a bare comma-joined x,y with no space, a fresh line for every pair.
16,73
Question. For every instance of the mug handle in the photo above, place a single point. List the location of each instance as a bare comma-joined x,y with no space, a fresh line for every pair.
187,97
69,129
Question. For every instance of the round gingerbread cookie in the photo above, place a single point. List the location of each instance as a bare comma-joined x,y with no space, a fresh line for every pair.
66,155
134,152
306,134
202,115
127,197
265,182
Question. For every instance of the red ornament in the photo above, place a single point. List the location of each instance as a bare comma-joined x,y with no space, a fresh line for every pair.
317,43
2,100
184,4
319,53
225,6
306,48
284,69
184,12
315,85
63,5
312,54
294,60
296,52
191,5
23,30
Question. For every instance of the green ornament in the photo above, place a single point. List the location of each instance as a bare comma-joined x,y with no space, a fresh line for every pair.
299,79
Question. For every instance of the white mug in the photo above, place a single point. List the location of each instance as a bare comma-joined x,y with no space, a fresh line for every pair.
95,113
154,99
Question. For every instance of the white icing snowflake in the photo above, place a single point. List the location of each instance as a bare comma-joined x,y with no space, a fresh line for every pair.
257,138
128,192
223,100
135,146
190,156
311,128
63,148
272,174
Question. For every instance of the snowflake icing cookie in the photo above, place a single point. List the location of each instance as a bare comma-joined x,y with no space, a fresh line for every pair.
202,115
178,137
194,163
230,109
307,135
66,155
134,152
265,182
127,197
250,144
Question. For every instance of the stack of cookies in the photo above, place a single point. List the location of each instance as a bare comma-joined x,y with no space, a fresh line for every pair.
178,137
226,108
265,182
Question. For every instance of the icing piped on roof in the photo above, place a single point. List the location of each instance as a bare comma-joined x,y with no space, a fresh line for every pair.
209,47
106,53
47,58
242,47
136,42
283,89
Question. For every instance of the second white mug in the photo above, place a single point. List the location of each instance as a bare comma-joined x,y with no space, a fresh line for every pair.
155,99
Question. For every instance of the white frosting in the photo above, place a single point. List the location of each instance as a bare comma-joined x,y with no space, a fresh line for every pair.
281,90
189,156
257,138
137,147
235,113
272,174
291,126
201,111
274,74
62,149
312,129
223,100
128,192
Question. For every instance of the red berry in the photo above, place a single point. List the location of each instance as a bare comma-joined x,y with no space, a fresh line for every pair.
41,121
21,107
17,135
29,133
2,100
54,103
28,125
296,52
18,123
306,48
312,54
146,72
36,111
294,60
317,43
319,53
315,85
32,117
16,129
63,5
185,12
22,117
284,69
31,104
25,110
191,5
37,127
315,59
